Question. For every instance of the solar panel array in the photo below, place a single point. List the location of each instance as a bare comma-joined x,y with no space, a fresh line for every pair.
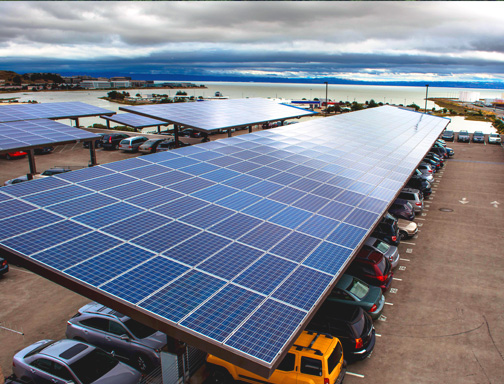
23,134
233,241
219,114
61,110
134,120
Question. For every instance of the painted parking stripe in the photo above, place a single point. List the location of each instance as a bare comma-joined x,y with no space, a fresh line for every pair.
405,242
396,279
404,259
419,218
355,374
389,303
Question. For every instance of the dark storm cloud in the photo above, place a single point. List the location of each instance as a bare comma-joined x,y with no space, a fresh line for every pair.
312,38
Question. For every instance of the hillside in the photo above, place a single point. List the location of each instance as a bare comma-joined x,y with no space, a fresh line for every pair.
8,75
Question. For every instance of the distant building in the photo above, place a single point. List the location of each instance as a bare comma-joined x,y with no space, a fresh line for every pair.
120,78
469,97
95,84
119,84
138,83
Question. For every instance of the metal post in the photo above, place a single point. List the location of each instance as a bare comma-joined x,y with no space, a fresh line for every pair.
176,132
326,100
77,122
92,153
250,129
31,161
108,124
158,129
426,94
230,134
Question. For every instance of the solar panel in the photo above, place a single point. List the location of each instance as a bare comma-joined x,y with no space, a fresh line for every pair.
24,134
134,120
63,110
219,114
234,261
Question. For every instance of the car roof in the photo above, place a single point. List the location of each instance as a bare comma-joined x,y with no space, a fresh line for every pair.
410,190
67,350
95,307
370,255
339,310
314,342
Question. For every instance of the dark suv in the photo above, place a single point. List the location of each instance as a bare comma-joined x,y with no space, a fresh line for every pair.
372,267
387,230
112,141
4,266
350,324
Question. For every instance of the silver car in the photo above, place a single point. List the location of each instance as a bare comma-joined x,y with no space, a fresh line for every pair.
127,339
494,138
69,361
425,171
414,196
391,252
131,144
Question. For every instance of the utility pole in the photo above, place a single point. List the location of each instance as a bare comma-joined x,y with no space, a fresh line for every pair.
326,99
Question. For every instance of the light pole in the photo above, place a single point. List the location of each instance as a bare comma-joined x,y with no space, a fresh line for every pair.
326,100
426,94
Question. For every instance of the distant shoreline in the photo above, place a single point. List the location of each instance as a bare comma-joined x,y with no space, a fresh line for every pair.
98,89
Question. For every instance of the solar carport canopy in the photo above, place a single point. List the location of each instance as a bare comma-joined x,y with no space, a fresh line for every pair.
220,114
229,245
18,135
63,110
134,120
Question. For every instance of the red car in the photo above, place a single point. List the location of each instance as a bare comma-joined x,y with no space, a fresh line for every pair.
14,155
372,267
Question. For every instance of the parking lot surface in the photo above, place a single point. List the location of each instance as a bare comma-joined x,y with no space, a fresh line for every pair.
443,321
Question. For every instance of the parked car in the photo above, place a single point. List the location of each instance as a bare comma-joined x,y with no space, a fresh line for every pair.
168,145
69,361
429,177
150,145
407,229
436,166
97,143
43,150
436,157
388,230
450,151
351,290
440,151
463,136
372,267
131,144
111,141
448,136
420,183
131,341
4,266
190,132
314,358
414,197
402,208
21,179
55,171
350,324
391,252
494,138
441,141
478,137
14,155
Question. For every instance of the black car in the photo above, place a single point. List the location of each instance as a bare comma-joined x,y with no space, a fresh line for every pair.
43,150
190,132
434,156
387,230
421,184
55,171
436,166
448,136
441,151
350,324
4,266
112,141
97,143
402,208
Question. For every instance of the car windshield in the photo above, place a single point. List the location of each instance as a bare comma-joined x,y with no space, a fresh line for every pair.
478,133
448,132
358,288
149,142
381,246
494,135
138,329
93,366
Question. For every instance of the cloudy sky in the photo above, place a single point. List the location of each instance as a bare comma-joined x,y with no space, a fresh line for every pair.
447,41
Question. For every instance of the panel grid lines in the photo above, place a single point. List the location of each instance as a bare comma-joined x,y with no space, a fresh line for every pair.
255,227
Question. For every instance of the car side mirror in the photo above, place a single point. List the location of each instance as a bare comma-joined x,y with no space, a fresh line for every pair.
124,337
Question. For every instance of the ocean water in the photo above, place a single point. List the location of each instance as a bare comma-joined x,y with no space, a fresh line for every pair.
359,93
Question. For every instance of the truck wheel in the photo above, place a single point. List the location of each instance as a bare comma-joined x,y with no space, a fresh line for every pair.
222,376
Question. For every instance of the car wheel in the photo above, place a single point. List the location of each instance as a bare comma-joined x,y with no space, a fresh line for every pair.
142,363
403,235
8,157
116,146
222,376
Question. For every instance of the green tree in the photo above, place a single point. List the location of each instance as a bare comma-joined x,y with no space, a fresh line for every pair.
372,104
417,107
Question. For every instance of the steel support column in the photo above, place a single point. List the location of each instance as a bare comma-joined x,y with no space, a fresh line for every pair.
31,161
176,132
92,154
230,134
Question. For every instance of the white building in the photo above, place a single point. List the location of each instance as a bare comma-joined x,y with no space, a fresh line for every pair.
95,84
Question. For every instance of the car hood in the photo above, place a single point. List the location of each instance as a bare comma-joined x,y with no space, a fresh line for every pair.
408,226
155,341
121,373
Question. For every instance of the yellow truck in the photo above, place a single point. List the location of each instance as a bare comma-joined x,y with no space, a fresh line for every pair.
315,358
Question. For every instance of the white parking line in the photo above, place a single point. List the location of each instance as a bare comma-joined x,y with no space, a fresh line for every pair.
396,278
405,242
355,374
409,250
419,218
389,303
404,259
377,335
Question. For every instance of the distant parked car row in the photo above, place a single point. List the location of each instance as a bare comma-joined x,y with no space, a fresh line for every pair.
464,136
142,144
